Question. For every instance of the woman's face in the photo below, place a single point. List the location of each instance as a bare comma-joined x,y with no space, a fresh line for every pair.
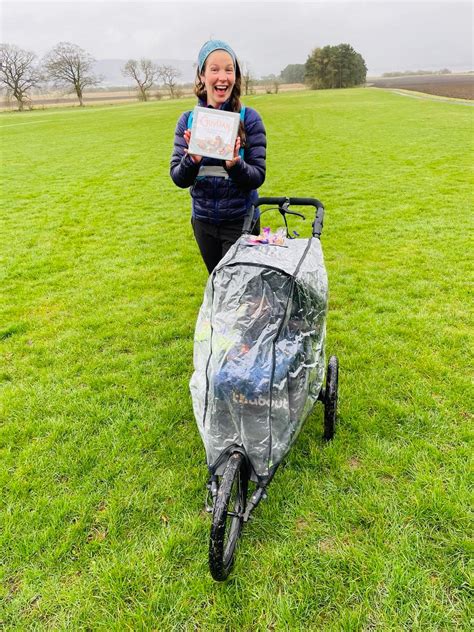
218,77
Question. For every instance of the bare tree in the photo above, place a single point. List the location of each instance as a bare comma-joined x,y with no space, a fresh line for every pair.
271,84
70,65
18,72
247,78
144,72
168,75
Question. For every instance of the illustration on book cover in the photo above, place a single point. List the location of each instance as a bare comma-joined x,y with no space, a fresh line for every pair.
213,133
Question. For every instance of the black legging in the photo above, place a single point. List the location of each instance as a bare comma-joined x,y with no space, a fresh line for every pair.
214,240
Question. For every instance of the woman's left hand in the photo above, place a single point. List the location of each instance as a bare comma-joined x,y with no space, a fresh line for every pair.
233,162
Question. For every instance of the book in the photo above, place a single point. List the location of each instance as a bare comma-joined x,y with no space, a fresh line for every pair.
213,133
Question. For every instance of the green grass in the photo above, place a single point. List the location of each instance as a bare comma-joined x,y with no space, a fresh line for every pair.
102,468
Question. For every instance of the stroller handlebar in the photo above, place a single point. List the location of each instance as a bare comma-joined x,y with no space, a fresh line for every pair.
292,201
283,204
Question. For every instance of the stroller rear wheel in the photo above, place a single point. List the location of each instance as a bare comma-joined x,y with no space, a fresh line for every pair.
227,518
330,398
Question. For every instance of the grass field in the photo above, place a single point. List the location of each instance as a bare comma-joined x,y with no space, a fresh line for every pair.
102,469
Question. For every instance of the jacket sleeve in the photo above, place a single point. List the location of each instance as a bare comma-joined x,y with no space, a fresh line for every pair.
183,170
250,172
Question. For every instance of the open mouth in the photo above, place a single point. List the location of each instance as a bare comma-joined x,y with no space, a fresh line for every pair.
220,89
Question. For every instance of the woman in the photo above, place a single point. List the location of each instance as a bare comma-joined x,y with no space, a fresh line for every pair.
220,202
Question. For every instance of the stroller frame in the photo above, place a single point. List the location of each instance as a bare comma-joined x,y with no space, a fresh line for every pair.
227,494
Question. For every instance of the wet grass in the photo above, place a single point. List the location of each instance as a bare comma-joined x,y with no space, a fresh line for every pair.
102,468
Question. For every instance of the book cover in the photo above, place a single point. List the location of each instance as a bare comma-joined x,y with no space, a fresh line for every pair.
213,133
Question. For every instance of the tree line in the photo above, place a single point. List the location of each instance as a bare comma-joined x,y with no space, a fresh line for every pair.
329,67
69,66
409,73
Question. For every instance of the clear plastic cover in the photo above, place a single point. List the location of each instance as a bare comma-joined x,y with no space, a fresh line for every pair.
259,350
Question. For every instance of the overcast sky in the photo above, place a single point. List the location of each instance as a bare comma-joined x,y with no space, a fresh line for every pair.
396,35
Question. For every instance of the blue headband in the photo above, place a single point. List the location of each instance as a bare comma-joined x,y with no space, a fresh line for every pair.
209,47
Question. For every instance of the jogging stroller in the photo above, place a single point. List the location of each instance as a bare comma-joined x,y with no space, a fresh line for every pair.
259,368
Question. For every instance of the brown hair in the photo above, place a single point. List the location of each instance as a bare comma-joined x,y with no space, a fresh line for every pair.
234,101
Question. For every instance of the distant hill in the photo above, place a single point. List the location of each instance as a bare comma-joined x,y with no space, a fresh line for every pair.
111,70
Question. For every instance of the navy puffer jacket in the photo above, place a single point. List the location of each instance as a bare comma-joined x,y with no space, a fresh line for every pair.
217,199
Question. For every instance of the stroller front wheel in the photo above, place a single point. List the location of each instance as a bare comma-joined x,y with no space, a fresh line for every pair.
330,398
227,517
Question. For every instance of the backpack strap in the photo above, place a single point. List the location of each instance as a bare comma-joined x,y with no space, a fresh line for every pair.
190,120
242,118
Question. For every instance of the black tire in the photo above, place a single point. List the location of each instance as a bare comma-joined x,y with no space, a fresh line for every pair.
225,529
330,398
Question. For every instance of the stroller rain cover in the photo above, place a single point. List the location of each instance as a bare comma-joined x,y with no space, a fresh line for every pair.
259,350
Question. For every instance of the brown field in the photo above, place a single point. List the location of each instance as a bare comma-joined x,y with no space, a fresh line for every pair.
118,96
454,86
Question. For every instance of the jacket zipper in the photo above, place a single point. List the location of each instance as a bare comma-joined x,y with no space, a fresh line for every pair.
214,197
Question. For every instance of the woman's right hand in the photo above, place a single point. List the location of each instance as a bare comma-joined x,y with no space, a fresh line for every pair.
194,157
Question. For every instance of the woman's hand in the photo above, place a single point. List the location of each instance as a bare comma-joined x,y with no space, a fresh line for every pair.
231,163
194,157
